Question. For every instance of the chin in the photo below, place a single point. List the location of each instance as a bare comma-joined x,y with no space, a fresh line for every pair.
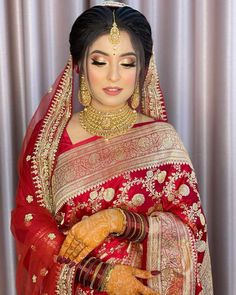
110,104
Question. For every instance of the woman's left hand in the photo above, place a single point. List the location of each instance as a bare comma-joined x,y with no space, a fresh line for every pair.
123,279
87,234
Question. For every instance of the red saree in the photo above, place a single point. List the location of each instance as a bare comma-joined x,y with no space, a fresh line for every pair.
147,171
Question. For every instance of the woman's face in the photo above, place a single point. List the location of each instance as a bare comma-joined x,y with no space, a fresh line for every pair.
111,73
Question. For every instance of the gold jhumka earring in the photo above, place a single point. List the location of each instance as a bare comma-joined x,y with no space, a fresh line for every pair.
135,98
84,95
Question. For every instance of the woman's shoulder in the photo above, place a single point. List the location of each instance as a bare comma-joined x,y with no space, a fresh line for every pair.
143,118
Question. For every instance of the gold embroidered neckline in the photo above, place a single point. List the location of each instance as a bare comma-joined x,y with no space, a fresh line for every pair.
107,124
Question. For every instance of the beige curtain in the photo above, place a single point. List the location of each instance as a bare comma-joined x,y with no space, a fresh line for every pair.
195,44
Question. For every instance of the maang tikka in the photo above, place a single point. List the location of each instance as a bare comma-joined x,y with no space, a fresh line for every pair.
114,36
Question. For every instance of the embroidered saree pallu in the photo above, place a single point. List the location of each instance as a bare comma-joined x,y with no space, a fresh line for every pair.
145,171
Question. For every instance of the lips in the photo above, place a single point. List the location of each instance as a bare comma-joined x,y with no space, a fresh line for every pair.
112,90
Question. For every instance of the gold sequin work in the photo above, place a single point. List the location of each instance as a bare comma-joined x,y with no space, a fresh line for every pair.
52,236
28,217
29,199
34,279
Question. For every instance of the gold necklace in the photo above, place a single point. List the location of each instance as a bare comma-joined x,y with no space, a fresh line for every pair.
107,124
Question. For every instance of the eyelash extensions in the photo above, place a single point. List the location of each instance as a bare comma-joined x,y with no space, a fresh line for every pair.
100,63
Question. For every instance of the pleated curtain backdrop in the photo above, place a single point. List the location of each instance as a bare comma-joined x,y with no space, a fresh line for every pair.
195,45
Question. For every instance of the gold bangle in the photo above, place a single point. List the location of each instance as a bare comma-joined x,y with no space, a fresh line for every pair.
107,278
95,274
81,271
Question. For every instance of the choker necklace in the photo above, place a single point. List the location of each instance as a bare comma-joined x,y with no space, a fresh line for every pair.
107,124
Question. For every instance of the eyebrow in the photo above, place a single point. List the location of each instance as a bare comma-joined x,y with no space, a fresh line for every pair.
106,54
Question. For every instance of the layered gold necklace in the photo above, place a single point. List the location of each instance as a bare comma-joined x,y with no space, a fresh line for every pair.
107,124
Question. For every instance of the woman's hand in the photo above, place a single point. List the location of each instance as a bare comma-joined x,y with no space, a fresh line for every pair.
123,280
87,234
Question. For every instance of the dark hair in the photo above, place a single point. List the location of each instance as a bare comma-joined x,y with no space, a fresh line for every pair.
98,21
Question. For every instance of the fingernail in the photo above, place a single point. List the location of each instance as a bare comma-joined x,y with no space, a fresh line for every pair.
155,272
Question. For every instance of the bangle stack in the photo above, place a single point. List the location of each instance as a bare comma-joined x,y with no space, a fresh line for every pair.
92,273
136,227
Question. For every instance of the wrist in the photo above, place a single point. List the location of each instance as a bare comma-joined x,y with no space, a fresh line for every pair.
93,273
117,221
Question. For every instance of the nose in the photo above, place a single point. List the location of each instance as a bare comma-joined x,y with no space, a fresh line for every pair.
113,74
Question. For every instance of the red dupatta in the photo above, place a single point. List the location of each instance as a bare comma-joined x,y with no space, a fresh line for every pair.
33,225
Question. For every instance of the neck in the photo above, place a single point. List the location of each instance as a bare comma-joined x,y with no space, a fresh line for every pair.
105,109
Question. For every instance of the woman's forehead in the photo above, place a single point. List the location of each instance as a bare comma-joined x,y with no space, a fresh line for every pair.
103,44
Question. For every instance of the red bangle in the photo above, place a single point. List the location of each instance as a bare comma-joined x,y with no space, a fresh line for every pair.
136,227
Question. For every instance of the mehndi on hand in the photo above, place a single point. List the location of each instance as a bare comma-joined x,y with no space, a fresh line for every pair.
89,233
123,280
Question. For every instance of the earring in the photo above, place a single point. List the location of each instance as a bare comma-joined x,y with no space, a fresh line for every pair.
135,98
84,96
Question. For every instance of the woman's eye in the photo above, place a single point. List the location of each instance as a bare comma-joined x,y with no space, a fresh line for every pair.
98,63
129,65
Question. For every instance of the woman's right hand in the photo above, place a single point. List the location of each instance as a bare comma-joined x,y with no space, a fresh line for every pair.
123,280
89,233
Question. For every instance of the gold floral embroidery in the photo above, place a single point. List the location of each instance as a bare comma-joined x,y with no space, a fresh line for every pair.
28,158
201,246
52,236
89,166
93,195
202,219
29,199
33,248
28,217
184,190
65,280
138,199
161,176
34,279
43,272
152,98
108,194
172,238
48,139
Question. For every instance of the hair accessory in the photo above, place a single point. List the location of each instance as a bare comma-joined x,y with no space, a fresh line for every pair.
84,95
135,98
114,37
113,4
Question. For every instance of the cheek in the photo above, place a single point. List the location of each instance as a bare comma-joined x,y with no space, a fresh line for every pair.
130,79
94,76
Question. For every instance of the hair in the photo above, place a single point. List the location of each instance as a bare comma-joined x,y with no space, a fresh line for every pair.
98,21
